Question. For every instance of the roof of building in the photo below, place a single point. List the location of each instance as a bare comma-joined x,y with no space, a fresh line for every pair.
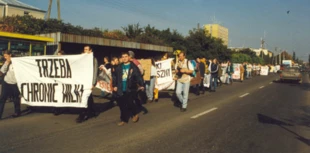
79,39
25,37
19,4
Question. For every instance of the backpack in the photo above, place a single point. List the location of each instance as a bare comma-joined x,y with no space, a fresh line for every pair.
194,65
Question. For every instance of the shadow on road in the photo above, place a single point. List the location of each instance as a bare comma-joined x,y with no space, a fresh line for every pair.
268,120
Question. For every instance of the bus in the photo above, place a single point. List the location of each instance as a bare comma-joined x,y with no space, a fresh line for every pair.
22,44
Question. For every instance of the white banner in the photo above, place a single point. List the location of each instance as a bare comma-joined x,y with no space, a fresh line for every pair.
164,71
57,81
236,75
224,75
264,70
104,80
165,86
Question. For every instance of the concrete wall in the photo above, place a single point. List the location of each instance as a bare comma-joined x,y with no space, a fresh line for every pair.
2,11
13,11
102,51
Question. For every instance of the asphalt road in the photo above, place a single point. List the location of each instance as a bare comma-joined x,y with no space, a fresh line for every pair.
256,116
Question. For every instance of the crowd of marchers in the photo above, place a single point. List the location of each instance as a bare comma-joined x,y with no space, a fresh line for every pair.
197,76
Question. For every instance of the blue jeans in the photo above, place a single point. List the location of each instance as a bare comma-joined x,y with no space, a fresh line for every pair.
149,86
183,87
213,82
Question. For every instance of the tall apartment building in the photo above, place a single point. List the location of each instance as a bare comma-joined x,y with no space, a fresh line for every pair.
217,31
15,7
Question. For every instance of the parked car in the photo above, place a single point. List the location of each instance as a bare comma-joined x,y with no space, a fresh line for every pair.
291,74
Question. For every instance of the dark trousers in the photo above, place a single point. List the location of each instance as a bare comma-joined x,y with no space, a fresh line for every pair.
219,79
9,90
90,107
198,86
213,82
127,106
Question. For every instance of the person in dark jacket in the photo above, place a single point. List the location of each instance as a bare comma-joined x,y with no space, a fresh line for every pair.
229,72
126,82
214,75
89,111
245,70
202,70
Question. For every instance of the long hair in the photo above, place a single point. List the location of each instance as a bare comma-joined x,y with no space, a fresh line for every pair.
153,61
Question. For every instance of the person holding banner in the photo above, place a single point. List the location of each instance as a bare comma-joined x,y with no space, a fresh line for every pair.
184,69
126,82
9,85
89,111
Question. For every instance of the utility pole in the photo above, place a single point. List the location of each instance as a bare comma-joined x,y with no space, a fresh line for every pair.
49,10
275,57
58,9
280,56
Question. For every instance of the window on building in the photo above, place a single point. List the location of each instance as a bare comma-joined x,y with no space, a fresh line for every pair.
20,48
37,49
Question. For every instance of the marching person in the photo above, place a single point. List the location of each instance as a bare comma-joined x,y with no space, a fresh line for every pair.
220,73
9,85
89,111
126,82
202,71
184,69
150,85
229,72
214,75
249,70
241,72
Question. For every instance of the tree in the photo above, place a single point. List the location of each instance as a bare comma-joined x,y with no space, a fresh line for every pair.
309,60
132,31
294,56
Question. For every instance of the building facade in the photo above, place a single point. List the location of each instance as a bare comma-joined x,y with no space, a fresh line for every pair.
217,31
15,7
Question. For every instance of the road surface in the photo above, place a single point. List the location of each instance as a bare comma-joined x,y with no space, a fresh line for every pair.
256,116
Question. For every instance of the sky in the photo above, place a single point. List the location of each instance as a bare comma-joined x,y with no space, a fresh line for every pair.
247,20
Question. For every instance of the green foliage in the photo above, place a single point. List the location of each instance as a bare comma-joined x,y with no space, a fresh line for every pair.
197,43
30,25
245,56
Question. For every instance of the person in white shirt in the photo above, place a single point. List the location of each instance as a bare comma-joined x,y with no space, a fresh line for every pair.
9,85
184,69
249,70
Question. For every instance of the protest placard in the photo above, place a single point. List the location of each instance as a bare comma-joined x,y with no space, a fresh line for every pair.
58,81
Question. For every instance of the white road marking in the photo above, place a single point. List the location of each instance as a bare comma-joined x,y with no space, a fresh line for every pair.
244,95
261,87
203,113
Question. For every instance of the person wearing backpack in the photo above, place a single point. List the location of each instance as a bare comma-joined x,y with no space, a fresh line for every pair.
9,85
184,70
